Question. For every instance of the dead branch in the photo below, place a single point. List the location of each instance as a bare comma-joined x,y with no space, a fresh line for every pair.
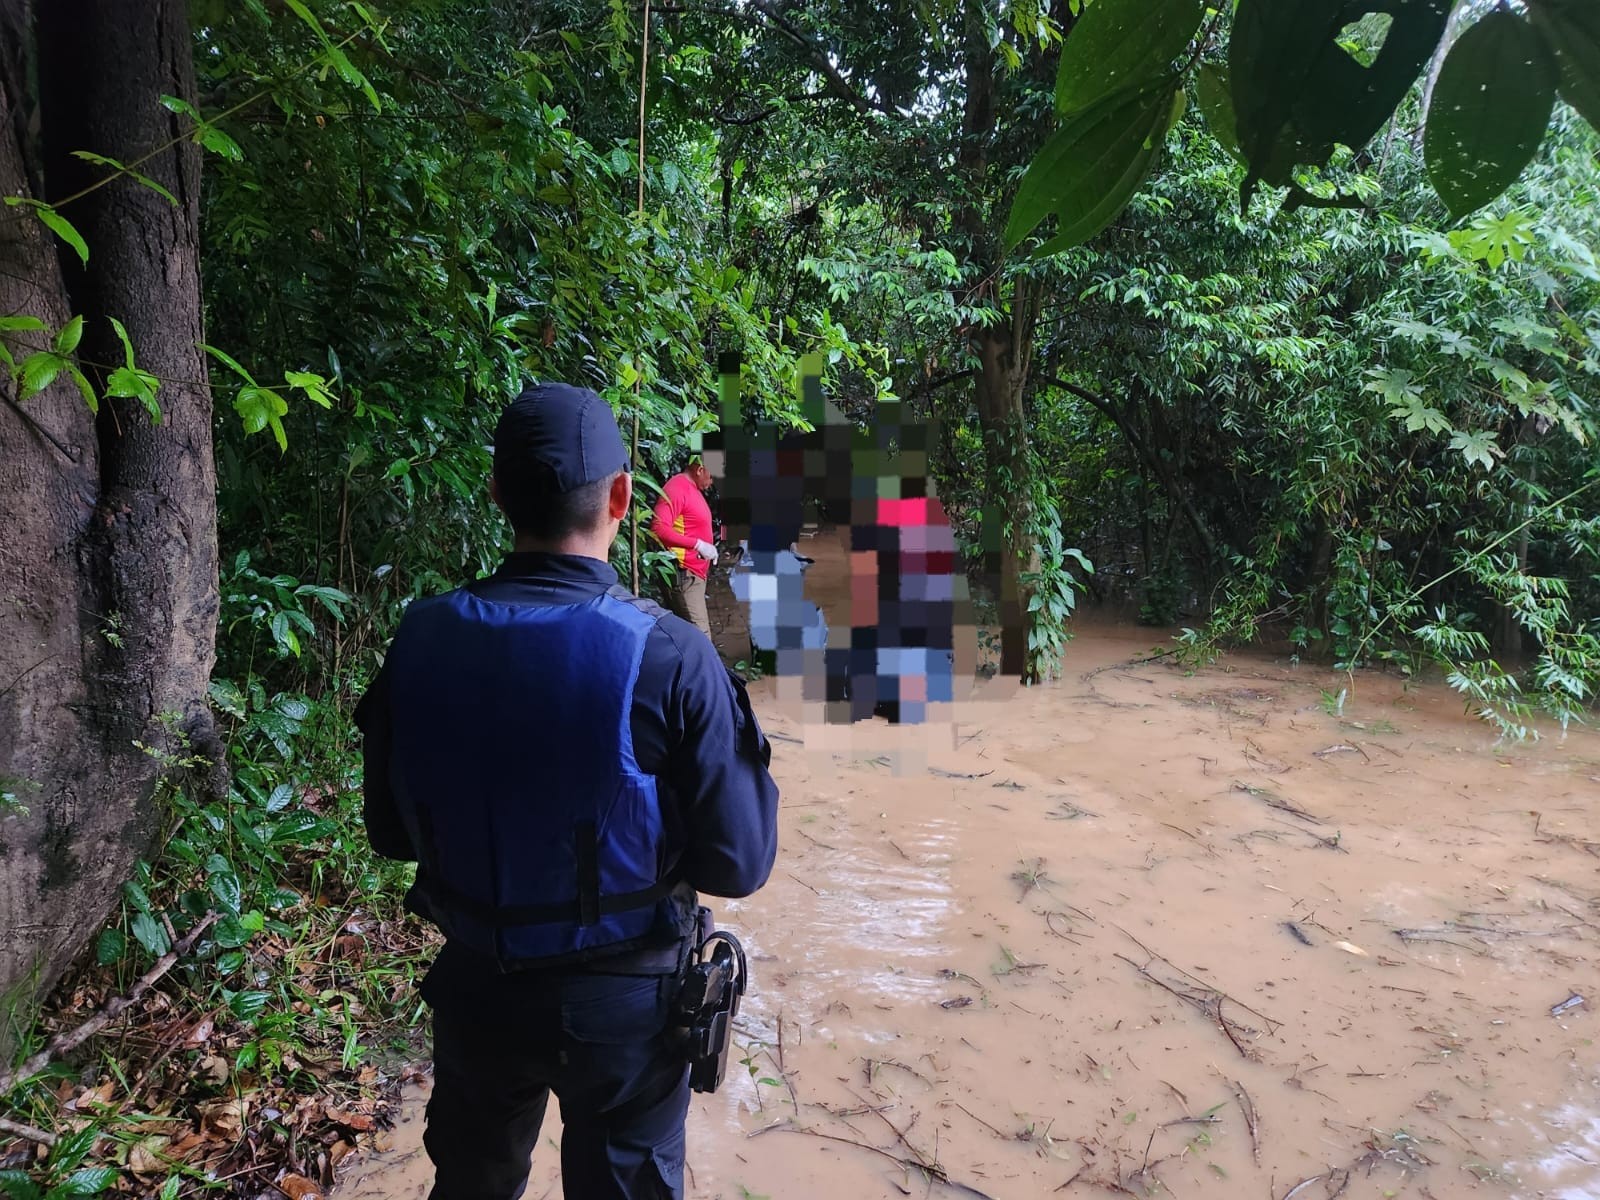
932,1171
1208,1002
18,1129
998,1133
1272,800
64,1043
1338,1175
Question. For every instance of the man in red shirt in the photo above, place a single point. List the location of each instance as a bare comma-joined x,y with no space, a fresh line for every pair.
683,525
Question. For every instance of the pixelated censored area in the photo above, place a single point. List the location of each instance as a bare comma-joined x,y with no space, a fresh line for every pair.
911,635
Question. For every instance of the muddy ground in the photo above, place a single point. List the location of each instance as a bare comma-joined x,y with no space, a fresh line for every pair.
1145,933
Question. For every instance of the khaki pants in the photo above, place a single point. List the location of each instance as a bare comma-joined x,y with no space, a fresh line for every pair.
688,600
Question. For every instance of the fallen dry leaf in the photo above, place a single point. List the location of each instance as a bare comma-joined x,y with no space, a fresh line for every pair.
225,1118
212,1069
149,1156
298,1187
201,1033
350,1120
1352,948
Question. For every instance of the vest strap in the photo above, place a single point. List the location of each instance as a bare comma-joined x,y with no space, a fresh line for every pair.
588,847
542,914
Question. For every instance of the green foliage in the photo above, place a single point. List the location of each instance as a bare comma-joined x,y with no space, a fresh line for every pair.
1301,83
1489,111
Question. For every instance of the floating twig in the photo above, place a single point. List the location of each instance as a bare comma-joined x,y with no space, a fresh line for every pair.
1272,800
1248,1107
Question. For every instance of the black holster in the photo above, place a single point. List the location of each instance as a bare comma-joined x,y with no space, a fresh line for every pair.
713,983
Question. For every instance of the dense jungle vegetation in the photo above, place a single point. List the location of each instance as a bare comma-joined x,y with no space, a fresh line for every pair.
1358,427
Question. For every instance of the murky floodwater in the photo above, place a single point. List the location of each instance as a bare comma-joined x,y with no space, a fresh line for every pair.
1168,934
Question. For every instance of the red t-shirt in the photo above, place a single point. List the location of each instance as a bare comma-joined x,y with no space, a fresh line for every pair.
683,518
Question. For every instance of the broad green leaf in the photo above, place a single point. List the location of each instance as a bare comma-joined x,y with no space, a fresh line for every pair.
1395,384
180,106
122,336
110,947
39,371
249,1004
219,143
1297,91
150,934
1118,45
1489,112
341,63
85,388
314,386
64,230
69,337
1074,230
1571,30
1479,448
22,324
1216,102
136,385
136,896
227,696
89,1181
224,886
258,407
225,360
1082,170
1494,240
17,1185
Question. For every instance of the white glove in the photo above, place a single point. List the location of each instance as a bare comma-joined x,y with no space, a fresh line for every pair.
706,551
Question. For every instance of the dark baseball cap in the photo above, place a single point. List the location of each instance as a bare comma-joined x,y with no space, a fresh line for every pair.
559,435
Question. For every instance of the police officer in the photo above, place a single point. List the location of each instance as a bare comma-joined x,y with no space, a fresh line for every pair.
568,764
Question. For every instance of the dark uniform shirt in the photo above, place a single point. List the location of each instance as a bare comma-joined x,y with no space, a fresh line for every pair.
692,728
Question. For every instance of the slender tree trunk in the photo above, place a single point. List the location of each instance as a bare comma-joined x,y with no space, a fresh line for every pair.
1004,350
108,562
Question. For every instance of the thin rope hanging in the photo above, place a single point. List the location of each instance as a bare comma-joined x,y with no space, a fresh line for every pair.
638,213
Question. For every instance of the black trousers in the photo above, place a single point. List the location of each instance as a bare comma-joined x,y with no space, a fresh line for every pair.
596,1041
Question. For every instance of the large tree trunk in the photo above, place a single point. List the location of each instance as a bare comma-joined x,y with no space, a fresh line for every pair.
108,563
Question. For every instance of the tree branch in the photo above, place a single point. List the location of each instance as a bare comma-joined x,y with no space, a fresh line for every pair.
62,1043
837,83
1152,459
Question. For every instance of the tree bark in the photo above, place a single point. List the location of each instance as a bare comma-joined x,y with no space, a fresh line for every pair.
109,559
1004,351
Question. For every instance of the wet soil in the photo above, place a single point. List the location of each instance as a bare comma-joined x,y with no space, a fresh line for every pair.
1143,932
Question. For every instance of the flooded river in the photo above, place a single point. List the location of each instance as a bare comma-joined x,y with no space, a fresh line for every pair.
1145,933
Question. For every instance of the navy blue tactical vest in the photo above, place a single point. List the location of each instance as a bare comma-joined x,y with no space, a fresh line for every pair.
513,768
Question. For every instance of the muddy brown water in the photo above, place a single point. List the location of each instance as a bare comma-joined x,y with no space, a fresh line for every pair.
1149,933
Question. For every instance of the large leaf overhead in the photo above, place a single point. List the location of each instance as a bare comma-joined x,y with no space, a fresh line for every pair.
1216,101
1489,110
1571,30
1297,90
1092,165
1120,44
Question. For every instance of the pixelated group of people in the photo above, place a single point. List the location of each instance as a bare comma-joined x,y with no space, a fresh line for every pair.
896,655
